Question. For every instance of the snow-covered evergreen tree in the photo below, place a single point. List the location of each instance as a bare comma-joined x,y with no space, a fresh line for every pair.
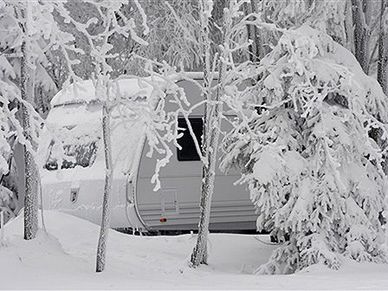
314,173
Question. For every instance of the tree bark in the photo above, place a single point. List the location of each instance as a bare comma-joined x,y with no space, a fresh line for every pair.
256,49
361,18
251,31
383,50
349,30
105,221
199,255
211,131
30,169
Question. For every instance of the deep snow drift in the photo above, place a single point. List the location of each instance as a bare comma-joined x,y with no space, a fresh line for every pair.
65,258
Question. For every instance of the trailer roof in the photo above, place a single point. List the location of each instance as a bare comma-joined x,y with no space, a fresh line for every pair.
85,92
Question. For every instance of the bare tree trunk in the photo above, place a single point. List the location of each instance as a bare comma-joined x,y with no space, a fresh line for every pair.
256,49
361,18
383,50
260,37
30,169
211,132
349,30
251,34
18,155
1,227
105,221
199,254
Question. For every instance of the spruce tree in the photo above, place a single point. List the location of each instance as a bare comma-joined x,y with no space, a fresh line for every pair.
314,173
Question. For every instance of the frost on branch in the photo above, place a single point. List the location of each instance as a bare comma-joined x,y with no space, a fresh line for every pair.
314,173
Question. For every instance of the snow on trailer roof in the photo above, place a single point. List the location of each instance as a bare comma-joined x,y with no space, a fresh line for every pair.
85,92
77,109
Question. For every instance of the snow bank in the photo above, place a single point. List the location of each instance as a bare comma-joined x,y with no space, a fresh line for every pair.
65,259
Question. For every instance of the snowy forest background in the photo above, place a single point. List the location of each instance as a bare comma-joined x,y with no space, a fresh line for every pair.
307,80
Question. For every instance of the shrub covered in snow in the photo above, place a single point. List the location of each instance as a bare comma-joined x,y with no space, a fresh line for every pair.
314,172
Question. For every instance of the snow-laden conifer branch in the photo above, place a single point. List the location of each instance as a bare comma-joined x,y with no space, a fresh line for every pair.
314,173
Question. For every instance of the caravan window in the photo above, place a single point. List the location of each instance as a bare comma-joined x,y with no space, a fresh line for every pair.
188,151
82,154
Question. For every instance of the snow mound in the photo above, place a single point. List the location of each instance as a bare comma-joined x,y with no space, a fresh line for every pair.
65,259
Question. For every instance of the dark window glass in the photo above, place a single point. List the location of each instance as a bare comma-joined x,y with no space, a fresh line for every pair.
74,155
188,151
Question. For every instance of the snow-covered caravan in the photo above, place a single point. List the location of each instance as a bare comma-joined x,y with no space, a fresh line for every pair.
77,188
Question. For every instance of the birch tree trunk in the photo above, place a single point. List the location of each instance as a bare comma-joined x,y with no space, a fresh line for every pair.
383,50
30,169
105,221
211,131
199,254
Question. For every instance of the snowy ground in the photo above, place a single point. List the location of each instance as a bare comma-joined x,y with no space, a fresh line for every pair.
65,259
